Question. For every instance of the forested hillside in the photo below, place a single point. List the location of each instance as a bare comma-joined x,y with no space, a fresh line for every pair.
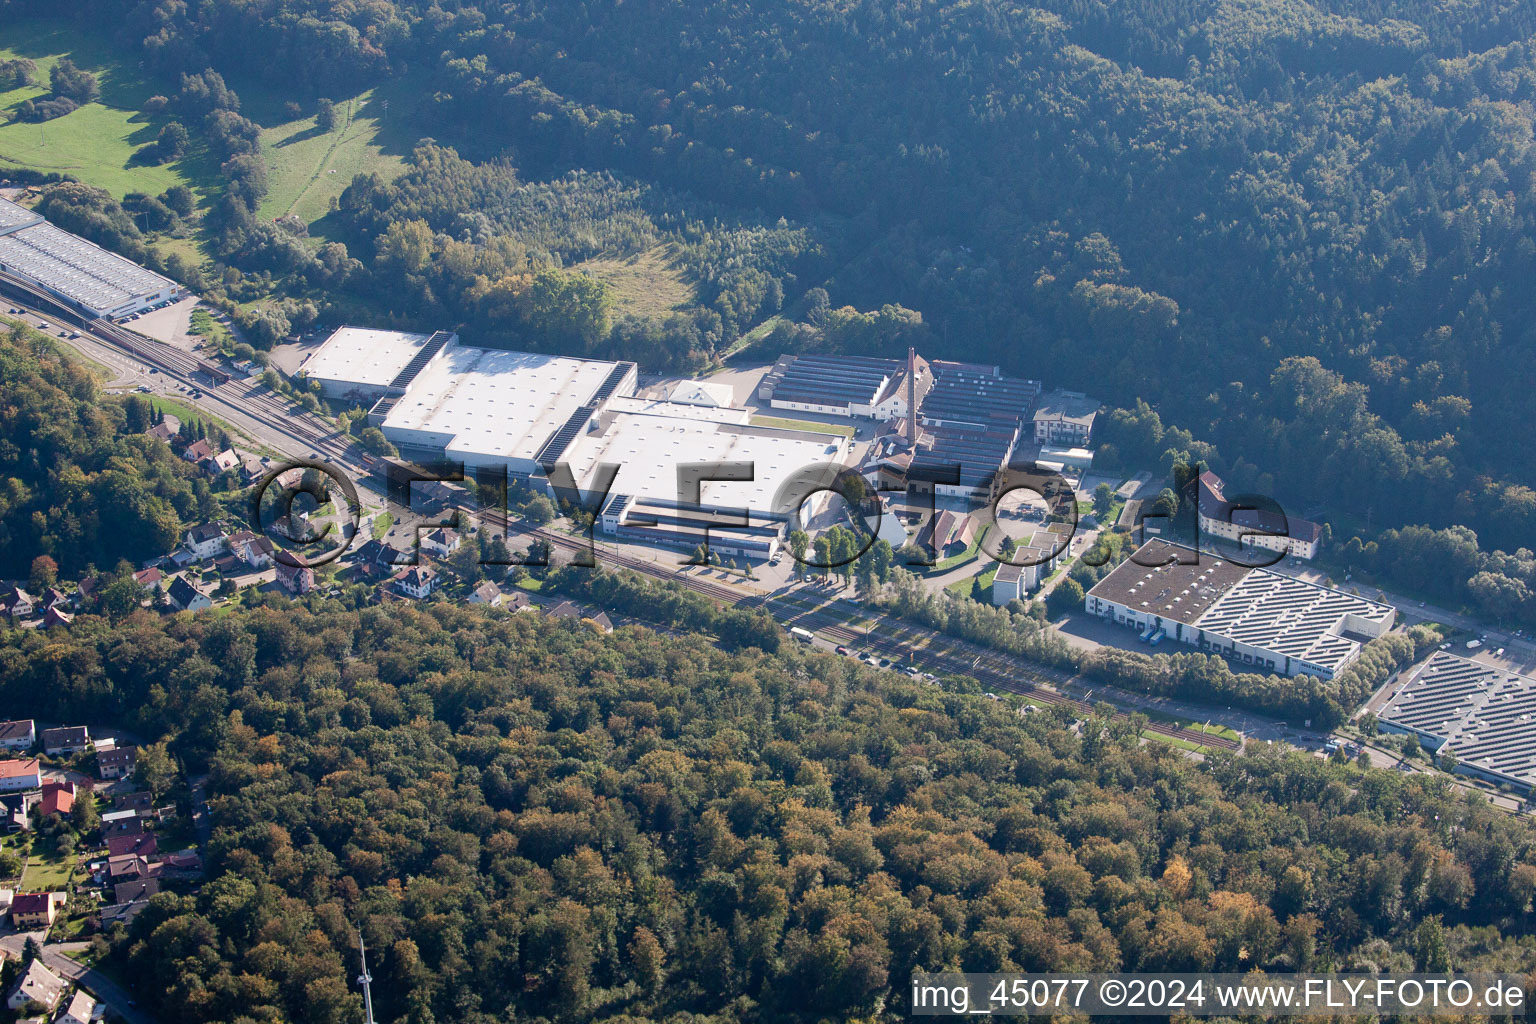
1296,229
82,484
531,820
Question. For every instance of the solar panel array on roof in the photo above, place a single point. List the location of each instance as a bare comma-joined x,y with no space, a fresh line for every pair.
1291,617
974,396
561,439
611,383
13,216
86,274
1485,715
833,380
422,357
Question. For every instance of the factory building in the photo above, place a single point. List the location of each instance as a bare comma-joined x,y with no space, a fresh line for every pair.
82,275
1262,621
494,409
358,364
1480,713
1252,527
1065,419
829,385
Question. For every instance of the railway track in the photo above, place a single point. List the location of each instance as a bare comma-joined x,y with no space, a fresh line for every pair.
276,415
264,408
980,664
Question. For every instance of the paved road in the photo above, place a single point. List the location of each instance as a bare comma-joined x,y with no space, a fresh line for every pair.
93,981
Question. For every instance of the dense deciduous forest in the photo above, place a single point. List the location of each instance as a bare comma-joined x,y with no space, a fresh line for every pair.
82,483
532,819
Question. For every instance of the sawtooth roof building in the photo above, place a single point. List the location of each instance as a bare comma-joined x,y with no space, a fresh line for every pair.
81,274
1484,715
1261,620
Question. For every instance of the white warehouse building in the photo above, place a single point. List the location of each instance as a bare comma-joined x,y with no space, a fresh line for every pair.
81,274
439,400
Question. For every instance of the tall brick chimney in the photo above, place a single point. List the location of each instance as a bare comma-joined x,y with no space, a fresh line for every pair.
912,395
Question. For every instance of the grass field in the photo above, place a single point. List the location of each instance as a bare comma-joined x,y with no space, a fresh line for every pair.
647,284
308,168
821,428
962,588
210,330
46,870
95,143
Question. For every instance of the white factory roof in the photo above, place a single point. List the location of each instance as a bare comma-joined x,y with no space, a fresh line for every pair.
486,406
679,410
1485,715
75,268
702,392
359,355
648,450
13,216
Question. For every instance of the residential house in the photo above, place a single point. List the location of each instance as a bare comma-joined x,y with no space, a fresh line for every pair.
127,867
164,432
58,797
86,590
79,1010
222,462
135,889
487,593
1023,575
140,800
418,581
37,984
949,533
1253,527
569,610
53,597
16,809
296,579
149,578
120,913
256,552
18,604
376,558
56,616
140,845
1065,418
442,542
31,910
117,763
121,823
186,597
19,774
18,736
182,864
206,540
198,451
66,740
517,601
252,469
1008,584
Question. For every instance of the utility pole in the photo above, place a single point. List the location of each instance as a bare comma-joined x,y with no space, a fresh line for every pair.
365,979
